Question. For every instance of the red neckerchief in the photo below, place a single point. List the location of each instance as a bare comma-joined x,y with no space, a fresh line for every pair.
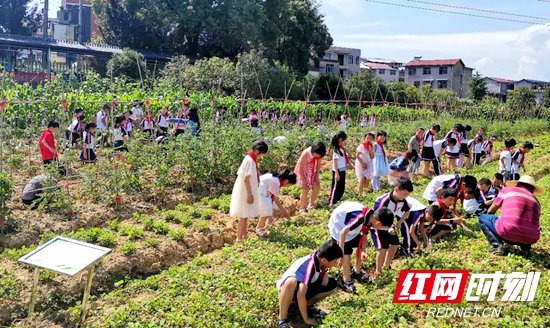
522,155
281,183
364,231
255,159
74,116
418,139
179,117
458,138
440,202
367,145
345,154
381,146
315,161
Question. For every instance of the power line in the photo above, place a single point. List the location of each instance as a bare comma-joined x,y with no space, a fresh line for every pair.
480,10
458,13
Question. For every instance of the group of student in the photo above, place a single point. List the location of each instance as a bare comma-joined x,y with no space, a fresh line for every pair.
306,282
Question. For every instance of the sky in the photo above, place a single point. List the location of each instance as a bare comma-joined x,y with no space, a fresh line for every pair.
494,48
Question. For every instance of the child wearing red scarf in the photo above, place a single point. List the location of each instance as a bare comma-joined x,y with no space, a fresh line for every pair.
414,144
381,167
363,162
307,174
270,185
518,159
245,198
340,161
148,125
398,167
505,162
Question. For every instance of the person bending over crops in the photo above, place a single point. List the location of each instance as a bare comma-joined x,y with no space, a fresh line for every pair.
306,283
245,198
270,185
307,173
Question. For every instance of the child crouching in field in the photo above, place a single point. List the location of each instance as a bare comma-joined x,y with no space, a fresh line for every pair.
306,282
419,216
245,198
270,185
398,167
348,225
447,201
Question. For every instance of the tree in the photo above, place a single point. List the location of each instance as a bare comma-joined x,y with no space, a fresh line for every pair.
403,93
19,17
477,88
545,98
364,85
521,98
129,63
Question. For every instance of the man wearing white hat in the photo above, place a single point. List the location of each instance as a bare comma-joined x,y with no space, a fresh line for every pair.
518,223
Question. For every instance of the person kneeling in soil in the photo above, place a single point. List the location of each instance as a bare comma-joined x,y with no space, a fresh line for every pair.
348,225
32,191
306,282
519,221
270,185
398,167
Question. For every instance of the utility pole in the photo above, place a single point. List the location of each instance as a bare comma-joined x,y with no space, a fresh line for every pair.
46,54
80,32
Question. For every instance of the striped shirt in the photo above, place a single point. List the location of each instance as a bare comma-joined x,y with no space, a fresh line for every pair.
428,139
487,147
519,216
398,207
349,214
307,270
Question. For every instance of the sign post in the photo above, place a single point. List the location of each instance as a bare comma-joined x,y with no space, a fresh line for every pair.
68,257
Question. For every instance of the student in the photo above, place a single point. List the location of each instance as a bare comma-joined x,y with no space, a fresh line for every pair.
364,120
419,216
518,158
428,156
179,127
433,190
137,112
255,125
101,119
414,144
307,174
363,162
270,184
464,150
380,161
398,167
472,202
475,149
505,161
128,126
348,224
148,125
74,124
162,122
386,242
453,153
219,114
340,162
193,123
372,122
87,155
252,116
74,131
322,127
487,192
306,282
446,202
487,150
342,123
120,138
46,143
439,150
302,119
245,198
498,184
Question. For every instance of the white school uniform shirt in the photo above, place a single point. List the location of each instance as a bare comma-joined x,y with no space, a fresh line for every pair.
471,206
129,126
428,139
364,121
438,182
458,137
89,140
437,145
348,214
415,204
148,124
518,157
507,161
476,147
74,125
487,147
162,120
343,125
464,138
269,185
341,160
137,113
118,133
100,115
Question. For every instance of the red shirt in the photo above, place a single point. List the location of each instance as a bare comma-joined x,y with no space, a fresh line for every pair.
519,216
45,152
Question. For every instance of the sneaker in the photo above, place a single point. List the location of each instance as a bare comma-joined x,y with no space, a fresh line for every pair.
349,287
283,323
316,312
361,277
497,250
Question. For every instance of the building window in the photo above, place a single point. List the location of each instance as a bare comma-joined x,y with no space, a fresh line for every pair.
443,71
412,71
442,84
417,84
427,82
327,56
350,60
330,68
357,60
392,72
427,71
381,71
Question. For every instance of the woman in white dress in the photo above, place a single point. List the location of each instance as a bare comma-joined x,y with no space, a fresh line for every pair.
245,198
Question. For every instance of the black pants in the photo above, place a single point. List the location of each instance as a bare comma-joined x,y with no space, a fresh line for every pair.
477,158
437,166
515,176
337,188
407,242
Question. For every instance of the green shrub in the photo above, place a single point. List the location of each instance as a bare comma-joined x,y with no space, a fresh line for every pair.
127,248
177,234
131,232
